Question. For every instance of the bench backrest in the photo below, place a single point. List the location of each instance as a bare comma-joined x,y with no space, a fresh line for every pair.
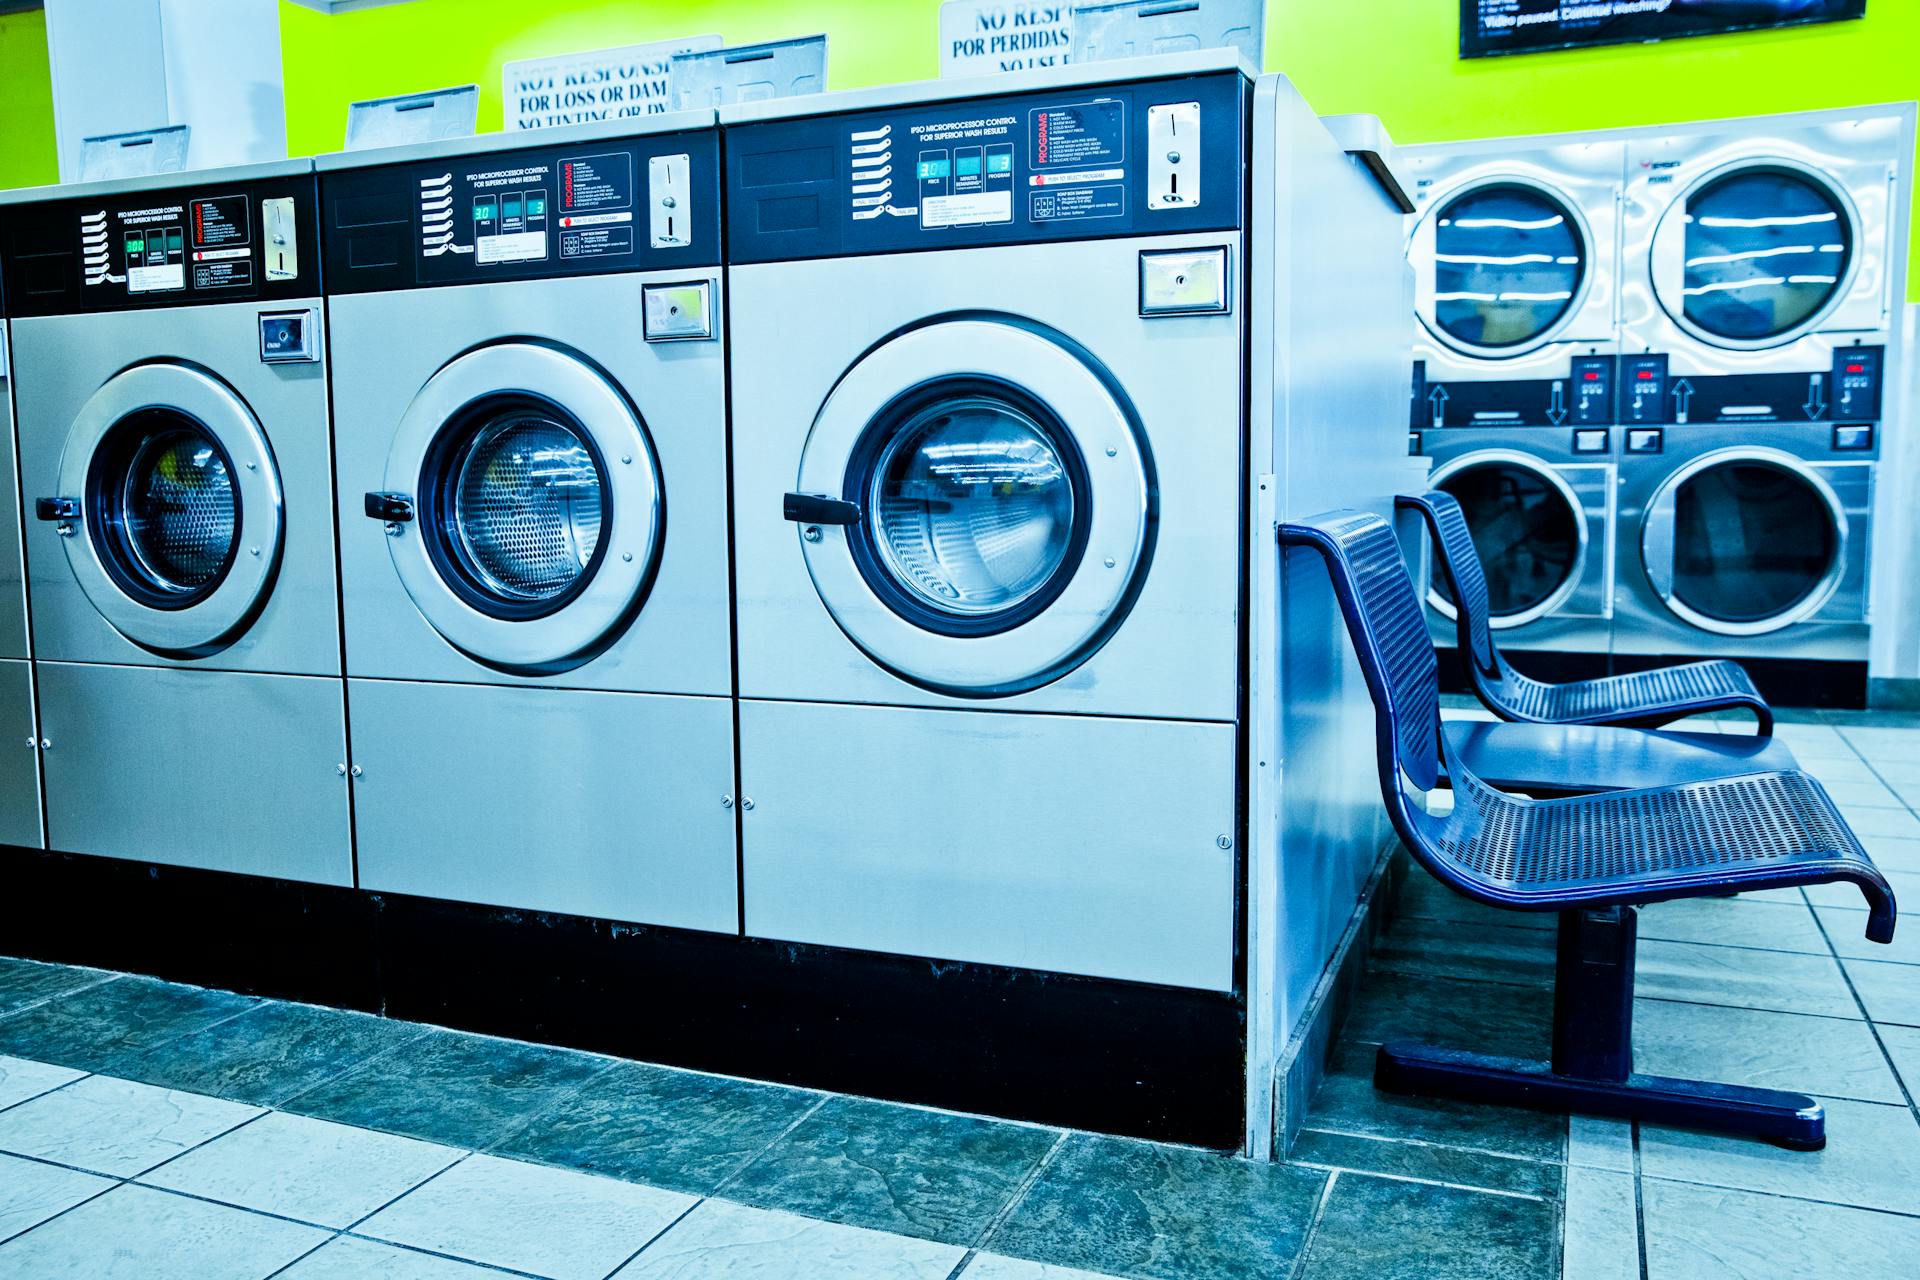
1466,578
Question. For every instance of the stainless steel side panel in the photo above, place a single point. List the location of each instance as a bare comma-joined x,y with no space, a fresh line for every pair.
1066,843
19,761
229,771
13,592
613,805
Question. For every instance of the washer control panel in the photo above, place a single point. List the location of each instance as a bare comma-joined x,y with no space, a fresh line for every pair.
1098,161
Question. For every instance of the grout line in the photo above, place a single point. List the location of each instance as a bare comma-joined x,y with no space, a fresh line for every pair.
66,1084
554,1105
1014,1198
1407,1140
434,1253
302,1258
759,1155
655,1237
1784,1195
1873,1028
113,1185
1308,1236
107,978
966,1260
262,1113
382,1208
1424,1182
1639,1205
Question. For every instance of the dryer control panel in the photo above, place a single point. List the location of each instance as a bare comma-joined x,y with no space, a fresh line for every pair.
1653,392
1091,162
210,242
645,203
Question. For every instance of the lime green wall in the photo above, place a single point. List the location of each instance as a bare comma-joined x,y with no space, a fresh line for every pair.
26,102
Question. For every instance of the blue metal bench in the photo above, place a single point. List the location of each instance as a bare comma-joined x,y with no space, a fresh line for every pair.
1591,858
1645,699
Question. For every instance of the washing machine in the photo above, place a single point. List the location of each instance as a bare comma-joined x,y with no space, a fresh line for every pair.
20,747
531,439
1004,482
174,455
1764,260
1515,254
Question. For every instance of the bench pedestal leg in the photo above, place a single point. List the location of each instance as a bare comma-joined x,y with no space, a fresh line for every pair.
1592,1068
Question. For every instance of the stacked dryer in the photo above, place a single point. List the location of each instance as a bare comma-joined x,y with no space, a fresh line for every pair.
1515,251
532,451
1764,263
19,730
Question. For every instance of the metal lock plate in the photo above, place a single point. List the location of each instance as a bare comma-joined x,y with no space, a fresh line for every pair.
1590,440
1183,282
289,337
1646,440
1853,437
678,312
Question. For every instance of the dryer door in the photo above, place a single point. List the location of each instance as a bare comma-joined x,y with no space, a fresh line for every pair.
1747,540
171,509
1504,267
1755,254
1529,526
524,501
975,506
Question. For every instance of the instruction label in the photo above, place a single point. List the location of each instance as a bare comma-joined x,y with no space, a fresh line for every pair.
596,203
1081,134
222,233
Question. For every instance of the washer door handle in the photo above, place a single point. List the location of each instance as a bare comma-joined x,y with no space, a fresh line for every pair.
815,508
390,508
56,508
1657,543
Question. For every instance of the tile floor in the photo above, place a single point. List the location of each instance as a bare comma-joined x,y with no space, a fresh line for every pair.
153,1130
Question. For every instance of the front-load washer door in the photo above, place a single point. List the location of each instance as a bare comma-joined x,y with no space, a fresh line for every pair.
1754,254
1746,541
171,509
1511,261
1529,527
975,506
535,504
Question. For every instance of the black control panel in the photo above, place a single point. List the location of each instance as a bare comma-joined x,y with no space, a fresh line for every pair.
1851,390
1073,164
205,242
625,204
1584,399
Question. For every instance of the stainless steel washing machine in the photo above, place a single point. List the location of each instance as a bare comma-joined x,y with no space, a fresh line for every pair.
1763,261
1515,250
20,745
172,410
531,427
1003,517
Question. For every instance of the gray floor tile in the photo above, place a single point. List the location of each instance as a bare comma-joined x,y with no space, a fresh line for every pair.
1443,949
1871,1160
136,1233
1890,853
722,1241
1744,978
1903,1046
25,982
1595,1142
1831,1057
1380,1229
1891,992
900,1169
1734,922
992,1266
32,1192
1601,1229
445,1086
1138,1209
98,1028
1847,897
1423,897
1871,823
1487,1016
22,1078
268,1054
1347,1102
1428,1162
1844,929
116,1127
1865,795
329,1174
527,1217
1704,1233
346,1258
682,1130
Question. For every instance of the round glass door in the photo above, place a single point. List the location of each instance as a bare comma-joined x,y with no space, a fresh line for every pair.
1765,252
1005,506
976,507
1509,265
1744,543
1528,529
513,506
165,511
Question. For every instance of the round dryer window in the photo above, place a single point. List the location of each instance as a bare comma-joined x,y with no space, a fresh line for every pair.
999,506
537,507
1509,264
1528,529
1745,542
181,507
1765,252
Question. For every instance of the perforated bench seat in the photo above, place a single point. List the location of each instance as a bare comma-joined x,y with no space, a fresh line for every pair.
1644,699
1591,858
1567,759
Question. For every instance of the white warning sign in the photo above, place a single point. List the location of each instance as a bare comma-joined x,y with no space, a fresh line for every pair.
603,84
983,37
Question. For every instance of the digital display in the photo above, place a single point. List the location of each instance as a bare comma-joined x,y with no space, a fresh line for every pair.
1490,27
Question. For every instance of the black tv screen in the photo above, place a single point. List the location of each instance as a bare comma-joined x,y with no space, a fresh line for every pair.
1490,27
